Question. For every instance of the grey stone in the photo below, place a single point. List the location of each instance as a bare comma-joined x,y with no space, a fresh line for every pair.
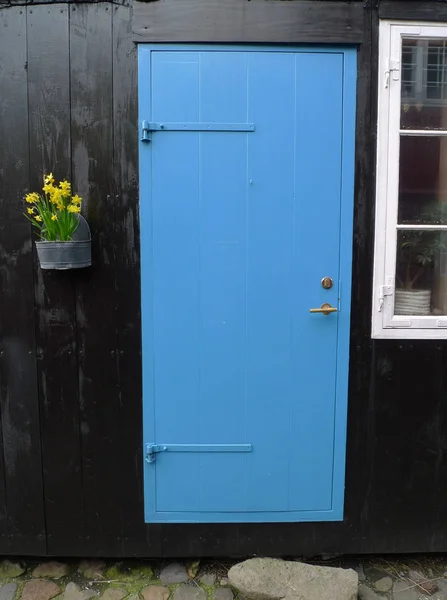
207,579
52,570
37,589
403,590
366,593
442,584
92,569
114,594
154,592
274,579
173,573
8,591
223,593
189,592
384,584
9,569
72,592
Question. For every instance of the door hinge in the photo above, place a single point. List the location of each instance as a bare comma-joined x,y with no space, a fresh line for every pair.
153,449
148,126
393,67
385,290
145,131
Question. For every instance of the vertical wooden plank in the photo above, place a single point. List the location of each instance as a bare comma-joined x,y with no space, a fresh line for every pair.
138,540
20,467
362,435
223,97
96,298
49,110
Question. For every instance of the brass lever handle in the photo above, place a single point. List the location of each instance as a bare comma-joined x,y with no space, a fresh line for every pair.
325,308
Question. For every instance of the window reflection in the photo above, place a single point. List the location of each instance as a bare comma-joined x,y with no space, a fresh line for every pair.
423,180
421,273
424,84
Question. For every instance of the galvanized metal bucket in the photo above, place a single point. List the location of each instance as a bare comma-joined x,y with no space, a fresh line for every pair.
75,254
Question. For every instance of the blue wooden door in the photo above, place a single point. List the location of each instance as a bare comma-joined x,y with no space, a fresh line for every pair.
246,172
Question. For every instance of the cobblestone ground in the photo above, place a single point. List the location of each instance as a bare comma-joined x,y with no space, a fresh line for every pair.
390,578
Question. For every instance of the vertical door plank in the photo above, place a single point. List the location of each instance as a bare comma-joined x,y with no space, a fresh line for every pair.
318,177
49,110
270,257
176,273
92,159
223,251
127,274
21,490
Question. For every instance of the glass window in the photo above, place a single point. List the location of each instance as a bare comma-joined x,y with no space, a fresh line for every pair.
410,275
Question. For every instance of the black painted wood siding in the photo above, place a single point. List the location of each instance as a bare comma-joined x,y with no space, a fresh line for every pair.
70,474
70,347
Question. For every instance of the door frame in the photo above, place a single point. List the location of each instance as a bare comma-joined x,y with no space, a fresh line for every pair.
345,269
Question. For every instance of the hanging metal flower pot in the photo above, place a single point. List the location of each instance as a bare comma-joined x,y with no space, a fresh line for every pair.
74,254
65,239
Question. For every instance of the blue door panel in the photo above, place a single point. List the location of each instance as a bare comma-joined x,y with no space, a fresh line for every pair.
237,230
319,140
223,87
175,77
269,368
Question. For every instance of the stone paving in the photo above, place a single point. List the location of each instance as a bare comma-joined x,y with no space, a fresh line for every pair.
380,578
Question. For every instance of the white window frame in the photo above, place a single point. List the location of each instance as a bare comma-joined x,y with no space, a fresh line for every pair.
385,324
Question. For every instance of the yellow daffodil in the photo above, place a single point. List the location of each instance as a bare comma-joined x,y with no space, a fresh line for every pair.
32,198
48,188
55,196
65,187
54,212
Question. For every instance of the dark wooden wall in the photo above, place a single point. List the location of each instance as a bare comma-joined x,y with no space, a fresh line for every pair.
70,479
70,349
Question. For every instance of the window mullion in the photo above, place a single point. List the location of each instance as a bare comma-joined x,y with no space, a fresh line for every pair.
392,179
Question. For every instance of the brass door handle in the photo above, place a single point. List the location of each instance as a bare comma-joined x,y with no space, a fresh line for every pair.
325,308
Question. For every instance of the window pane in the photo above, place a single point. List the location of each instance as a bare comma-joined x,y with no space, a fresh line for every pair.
421,273
424,84
423,180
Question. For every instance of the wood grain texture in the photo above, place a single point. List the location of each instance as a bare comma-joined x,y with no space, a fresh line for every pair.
245,21
22,520
91,59
135,542
413,10
50,142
